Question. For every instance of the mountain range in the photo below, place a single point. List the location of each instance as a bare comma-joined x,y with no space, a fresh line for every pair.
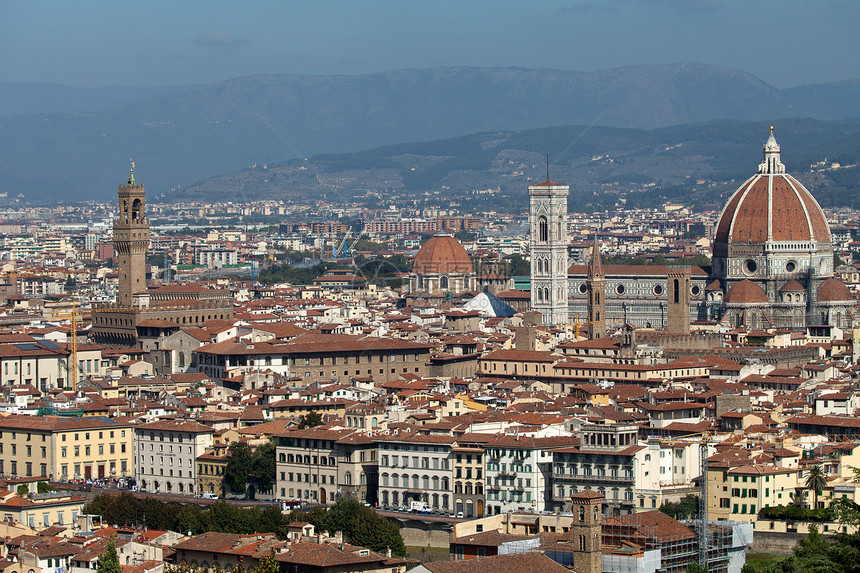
604,166
178,136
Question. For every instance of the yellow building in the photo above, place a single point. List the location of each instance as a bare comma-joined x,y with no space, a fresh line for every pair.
40,510
210,473
738,493
62,448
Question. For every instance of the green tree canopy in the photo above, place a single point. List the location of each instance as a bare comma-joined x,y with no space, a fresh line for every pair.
109,560
310,420
238,468
363,526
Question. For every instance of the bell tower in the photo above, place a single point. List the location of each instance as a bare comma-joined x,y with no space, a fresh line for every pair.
131,239
595,282
585,531
678,299
548,248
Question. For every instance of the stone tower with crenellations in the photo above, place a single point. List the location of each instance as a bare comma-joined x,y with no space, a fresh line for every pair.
131,239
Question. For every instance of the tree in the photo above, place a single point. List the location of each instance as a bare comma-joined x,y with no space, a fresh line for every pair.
22,489
263,466
798,497
815,482
687,508
238,468
44,487
520,266
267,564
310,420
363,526
694,567
109,560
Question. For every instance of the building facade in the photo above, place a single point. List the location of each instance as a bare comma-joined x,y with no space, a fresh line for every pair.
63,448
415,468
166,453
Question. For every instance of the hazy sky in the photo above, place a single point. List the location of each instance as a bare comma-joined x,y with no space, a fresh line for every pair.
154,42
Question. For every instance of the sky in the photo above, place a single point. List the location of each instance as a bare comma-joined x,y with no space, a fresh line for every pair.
95,43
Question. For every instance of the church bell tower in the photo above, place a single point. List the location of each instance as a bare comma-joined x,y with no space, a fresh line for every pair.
586,531
131,239
548,248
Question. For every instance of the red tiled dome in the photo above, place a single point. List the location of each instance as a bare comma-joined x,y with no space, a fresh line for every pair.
745,292
792,286
791,212
834,290
442,254
772,205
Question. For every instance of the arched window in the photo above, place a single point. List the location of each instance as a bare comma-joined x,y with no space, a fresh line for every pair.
443,282
543,230
347,478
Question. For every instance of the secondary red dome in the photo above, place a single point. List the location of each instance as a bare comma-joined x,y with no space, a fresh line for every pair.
745,292
834,290
772,205
442,254
792,286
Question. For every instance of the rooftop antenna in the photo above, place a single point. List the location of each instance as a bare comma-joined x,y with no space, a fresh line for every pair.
547,166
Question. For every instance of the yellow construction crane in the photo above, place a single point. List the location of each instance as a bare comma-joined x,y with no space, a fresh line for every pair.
576,325
72,369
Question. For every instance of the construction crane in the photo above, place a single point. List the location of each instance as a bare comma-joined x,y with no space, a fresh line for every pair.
576,326
354,242
73,366
342,247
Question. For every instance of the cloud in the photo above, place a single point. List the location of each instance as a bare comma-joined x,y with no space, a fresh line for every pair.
219,39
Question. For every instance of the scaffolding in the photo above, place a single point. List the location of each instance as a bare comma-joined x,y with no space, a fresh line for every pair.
678,547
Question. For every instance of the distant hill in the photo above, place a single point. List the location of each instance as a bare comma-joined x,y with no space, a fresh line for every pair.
699,163
185,134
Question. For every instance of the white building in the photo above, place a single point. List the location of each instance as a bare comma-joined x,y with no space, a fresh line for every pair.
519,472
166,452
415,468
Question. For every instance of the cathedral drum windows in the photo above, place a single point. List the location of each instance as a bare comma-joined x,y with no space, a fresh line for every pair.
790,266
658,290
750,267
